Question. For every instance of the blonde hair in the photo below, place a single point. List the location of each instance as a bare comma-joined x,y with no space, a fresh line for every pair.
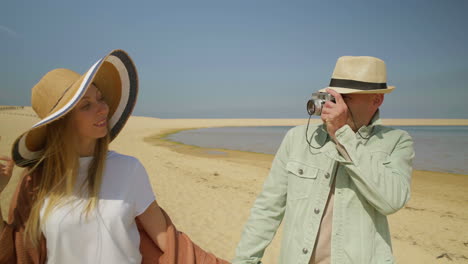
57,172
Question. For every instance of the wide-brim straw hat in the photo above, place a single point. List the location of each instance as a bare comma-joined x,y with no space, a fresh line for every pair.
58,92
359,74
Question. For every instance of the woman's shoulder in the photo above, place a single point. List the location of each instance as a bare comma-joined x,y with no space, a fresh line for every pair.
116,158
120,166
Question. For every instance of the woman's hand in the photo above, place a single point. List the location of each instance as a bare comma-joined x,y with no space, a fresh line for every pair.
6,167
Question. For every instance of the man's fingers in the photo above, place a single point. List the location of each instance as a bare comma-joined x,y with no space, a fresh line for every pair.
5,158
9,162
338,97
6,167
325,111
329,105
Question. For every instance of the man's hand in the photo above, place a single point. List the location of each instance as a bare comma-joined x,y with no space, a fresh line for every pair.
334,115
6,167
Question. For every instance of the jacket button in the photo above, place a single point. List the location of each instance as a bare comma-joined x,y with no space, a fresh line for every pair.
305,250
327,175
300,171
316,210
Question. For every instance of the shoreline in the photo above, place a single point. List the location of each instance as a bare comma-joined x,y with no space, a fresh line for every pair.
206,151
27,111
161,140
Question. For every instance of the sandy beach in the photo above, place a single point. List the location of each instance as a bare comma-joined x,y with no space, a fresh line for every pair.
208,192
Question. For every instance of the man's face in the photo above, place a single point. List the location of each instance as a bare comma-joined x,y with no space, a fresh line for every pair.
362,106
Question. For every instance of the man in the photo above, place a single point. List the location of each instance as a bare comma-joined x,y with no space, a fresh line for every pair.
335,186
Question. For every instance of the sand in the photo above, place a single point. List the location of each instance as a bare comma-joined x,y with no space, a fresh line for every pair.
208,192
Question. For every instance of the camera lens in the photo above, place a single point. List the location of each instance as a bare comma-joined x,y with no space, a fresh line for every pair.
310,107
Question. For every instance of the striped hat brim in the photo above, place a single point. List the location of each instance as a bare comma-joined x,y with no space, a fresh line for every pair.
117,79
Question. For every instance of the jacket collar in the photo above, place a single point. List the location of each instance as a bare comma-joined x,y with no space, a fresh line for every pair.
366,131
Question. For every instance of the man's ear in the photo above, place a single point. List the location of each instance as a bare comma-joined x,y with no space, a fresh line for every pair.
378,100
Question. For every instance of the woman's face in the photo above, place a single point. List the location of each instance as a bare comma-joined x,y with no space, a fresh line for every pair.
89,116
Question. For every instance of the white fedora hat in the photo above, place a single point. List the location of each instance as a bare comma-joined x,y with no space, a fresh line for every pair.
57,93
359,74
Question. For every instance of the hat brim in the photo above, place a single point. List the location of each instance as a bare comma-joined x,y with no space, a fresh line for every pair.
342,90
115,76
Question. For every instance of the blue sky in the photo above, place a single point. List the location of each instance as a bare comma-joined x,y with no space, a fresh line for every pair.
248,59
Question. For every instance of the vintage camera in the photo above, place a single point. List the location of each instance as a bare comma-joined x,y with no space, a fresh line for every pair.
314,105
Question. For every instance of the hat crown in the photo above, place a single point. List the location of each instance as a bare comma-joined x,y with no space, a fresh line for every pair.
46,94
360,68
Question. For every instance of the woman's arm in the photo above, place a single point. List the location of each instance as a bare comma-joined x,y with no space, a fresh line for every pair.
155,225
12,247
6,170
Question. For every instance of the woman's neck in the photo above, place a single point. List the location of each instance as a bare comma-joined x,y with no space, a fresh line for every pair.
86,147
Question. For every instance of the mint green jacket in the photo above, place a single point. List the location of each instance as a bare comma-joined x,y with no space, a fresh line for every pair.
374,184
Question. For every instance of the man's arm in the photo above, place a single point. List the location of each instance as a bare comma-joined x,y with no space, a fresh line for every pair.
267,211
384,183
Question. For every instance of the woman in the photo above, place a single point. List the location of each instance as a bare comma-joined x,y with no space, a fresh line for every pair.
80,202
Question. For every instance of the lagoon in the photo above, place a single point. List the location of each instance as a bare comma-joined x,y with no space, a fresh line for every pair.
438,148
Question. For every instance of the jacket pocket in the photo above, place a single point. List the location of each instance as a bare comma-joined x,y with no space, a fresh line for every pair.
300,179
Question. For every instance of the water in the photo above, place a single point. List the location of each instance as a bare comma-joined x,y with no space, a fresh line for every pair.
443,148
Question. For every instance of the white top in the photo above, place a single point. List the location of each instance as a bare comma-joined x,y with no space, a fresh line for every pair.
109,234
